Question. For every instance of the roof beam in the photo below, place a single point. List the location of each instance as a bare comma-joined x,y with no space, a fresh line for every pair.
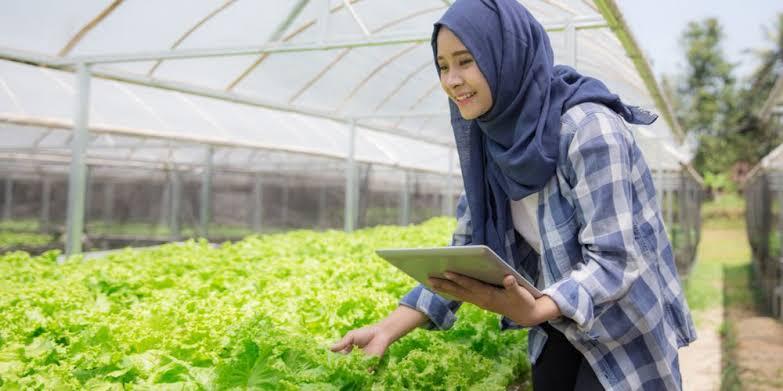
191,89
272,47
616,22
56,123
581,22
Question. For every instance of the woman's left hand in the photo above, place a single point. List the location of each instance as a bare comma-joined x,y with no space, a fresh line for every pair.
513,301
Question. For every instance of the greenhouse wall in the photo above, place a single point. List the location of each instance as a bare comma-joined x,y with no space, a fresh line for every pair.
151,205
764,198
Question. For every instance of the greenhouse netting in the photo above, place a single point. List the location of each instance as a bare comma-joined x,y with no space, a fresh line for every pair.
132,123
764,199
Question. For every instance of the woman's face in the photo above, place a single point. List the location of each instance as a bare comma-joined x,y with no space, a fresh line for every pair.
460,76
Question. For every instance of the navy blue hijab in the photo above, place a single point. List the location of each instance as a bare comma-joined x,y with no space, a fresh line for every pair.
511,151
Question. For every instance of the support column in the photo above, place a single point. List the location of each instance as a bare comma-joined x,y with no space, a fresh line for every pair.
206,192
350,182
286,203
685,212
165,203
258,202
108,204
405,201
322,207
46,205
88,173
175,226
8,201
78,172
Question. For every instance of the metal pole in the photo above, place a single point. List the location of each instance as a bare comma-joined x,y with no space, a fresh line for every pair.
46,199
286,203
405,201
258,202
350,182
87,193
78,172
322,207
176,202
165,204
206,192
108,204
9,199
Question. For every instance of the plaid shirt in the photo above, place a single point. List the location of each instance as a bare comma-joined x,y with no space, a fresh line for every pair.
606,261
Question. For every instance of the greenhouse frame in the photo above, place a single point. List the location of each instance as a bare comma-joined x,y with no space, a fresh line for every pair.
123,125
763,190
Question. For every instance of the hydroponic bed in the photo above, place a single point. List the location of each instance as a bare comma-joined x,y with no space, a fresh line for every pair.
258,314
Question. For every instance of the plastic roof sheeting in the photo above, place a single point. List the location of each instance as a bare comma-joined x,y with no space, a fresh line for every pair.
37,104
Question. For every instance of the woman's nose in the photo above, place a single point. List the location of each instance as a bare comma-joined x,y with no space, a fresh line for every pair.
453,79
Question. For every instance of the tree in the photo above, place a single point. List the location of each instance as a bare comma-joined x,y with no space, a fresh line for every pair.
710,104
706,93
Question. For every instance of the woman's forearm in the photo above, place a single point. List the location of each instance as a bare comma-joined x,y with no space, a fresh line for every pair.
402,321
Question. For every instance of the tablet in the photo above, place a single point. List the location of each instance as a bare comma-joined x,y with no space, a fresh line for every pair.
478,262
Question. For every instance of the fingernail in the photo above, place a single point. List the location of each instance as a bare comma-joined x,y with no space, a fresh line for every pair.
448,275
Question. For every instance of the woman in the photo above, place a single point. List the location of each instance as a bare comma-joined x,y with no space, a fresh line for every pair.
555,184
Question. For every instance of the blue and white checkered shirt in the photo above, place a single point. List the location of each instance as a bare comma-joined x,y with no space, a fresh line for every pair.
606,260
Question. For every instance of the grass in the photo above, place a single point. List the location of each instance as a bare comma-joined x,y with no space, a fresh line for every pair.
723,276
722,261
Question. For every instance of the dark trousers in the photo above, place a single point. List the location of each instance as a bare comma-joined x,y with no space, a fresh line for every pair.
561,367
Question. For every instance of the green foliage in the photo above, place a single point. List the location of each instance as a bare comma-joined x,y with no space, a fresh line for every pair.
720,182
255,314
719,111
12,239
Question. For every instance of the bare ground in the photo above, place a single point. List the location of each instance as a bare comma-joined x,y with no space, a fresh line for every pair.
700,362
758,353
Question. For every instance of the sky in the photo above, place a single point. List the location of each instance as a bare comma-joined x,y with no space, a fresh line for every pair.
658,24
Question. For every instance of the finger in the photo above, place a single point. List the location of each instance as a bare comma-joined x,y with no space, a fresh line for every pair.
446,286
512,286
468,283
343,344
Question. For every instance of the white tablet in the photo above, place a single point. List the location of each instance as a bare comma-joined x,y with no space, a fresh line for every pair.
479,262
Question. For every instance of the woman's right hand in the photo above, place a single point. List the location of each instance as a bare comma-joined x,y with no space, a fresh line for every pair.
376,338
371,339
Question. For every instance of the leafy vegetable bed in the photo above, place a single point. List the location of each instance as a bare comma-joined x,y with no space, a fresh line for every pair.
259,314
11,239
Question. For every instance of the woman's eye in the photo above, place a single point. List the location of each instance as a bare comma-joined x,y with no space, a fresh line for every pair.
466,61
443,68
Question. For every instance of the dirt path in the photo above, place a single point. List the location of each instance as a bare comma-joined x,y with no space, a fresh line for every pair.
759,351
700,362
752,347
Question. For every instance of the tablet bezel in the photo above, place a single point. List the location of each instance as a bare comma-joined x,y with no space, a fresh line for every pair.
475,261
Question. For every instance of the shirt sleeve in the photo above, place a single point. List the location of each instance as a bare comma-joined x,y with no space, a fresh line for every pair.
442,311
603,193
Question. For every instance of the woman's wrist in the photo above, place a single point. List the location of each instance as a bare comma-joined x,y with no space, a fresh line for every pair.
546,309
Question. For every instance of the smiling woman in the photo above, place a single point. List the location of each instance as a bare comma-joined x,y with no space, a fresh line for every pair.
556,184
461,77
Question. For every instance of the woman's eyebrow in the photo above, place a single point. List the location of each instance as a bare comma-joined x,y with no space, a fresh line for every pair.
455,54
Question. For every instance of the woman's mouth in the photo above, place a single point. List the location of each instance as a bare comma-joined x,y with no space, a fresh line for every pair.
464,98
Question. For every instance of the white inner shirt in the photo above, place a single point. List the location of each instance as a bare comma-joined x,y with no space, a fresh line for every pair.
525,215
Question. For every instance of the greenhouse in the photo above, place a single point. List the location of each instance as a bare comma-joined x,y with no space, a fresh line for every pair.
764,194
307,133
